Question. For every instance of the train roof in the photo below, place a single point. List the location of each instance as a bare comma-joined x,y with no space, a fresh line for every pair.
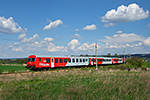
69,56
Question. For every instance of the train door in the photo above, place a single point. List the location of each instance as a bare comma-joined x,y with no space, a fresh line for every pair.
92,61
52,62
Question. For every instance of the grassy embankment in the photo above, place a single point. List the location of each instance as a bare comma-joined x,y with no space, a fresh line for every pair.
76,84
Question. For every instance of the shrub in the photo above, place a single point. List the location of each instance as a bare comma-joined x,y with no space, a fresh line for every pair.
135,62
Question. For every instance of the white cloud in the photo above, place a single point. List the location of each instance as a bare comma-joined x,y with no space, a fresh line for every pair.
122,38
53,24
119,32
76,36
17,49
73,44
48,39
9,26
55,49
23,38
125,14
147,41
77,30
87,46
109,24
90,27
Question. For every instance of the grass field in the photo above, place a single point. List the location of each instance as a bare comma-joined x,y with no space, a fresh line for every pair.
5,68
85,84
148,64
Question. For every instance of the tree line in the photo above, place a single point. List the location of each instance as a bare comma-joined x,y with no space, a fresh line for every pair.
17,61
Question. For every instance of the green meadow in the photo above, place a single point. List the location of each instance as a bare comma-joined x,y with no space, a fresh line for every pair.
83,84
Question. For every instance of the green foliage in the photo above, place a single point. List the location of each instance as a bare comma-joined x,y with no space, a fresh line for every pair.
10,61
135,62
108,55
116,55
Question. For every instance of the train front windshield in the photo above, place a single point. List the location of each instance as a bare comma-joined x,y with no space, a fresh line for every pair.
30,59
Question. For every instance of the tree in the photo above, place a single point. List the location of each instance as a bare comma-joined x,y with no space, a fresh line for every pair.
116,55
108,55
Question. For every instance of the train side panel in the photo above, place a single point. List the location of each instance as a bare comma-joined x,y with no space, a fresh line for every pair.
43,62
78,61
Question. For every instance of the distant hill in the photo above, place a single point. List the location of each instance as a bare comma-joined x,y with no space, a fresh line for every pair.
137,55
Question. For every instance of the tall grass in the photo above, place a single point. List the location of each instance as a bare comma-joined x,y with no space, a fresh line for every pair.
78,84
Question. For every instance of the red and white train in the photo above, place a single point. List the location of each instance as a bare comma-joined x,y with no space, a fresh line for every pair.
45,62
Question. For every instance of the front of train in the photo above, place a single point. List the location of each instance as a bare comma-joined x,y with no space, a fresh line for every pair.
31,62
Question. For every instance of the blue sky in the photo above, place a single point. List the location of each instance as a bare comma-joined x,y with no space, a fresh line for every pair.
71,27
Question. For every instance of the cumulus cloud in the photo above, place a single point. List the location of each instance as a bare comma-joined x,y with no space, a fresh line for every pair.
53,24
90,27
119,32
122,38
109,24
76,29
48,39
125,14
73,44
55,49
17,49
9,26
22,38
76,36
87,46
147,41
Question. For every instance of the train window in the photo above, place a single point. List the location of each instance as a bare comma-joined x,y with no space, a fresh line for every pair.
31,59
56,60
48,60
76,60
86,60
106,60
70,60
73,60
65,60
80,60
39,59
83,60
61,60
52,59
